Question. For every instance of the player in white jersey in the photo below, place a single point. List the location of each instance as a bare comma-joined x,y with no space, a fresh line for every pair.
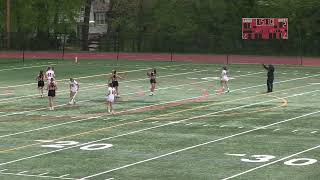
224,79
50,73
74,88
110,97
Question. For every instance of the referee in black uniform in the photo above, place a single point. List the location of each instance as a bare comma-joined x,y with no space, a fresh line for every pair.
270,69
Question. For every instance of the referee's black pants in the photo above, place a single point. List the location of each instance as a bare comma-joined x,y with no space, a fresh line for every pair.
270,84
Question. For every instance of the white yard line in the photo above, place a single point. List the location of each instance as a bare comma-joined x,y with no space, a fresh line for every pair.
64,175
28,67
198,145
96,117
273,162
22,172
37,176
43,174
173,122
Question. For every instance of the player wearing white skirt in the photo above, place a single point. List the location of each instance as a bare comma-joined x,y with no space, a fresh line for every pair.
74,88
50,74
110,95
224,79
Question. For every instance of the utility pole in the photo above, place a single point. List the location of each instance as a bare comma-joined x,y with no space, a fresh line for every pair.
8,23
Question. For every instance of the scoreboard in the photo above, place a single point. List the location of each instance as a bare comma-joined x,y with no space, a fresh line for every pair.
264,28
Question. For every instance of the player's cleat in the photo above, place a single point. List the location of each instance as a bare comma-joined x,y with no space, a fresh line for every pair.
151,94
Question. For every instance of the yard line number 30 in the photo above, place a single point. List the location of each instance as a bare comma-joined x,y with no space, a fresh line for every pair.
267,158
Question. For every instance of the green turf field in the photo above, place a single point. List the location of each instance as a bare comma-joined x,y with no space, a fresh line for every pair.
187,131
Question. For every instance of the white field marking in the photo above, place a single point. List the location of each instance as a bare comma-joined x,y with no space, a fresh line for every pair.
3,170
314,83
42,174
96,87
276,130
313,132
205,125
64,175
188,124
273,162
119,120
222,126
109,179
96,117
171,123
238,155
44,141
28,67
6,94
192,78
22,172
295,130
37,176
240,127
198,145
154,122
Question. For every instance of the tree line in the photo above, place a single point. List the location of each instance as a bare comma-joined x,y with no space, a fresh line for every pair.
190,26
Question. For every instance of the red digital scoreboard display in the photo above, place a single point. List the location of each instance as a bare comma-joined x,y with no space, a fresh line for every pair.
264,28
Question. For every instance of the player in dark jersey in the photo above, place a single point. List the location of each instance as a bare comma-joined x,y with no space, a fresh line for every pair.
152,76
114,80
52,87
40,79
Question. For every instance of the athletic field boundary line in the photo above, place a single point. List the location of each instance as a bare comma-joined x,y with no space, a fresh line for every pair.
37,176
28,67
175,122
96,117
273,162
209,142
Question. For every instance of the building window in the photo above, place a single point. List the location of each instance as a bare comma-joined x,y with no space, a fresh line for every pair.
100,17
